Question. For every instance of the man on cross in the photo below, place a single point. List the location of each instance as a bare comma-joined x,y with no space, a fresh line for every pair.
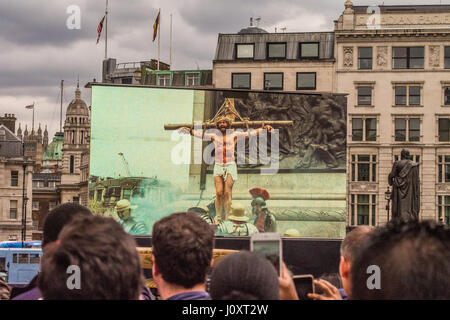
225,168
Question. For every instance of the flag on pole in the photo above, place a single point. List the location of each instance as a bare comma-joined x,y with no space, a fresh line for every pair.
31,106
99,29
156,26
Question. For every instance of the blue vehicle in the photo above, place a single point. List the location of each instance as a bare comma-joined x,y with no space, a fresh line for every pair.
18,244
19,264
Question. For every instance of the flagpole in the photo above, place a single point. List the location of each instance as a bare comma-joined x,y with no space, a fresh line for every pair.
60,112
106,31
33,119
171,41
159,36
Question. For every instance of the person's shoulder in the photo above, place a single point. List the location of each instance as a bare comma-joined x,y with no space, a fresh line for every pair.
33,294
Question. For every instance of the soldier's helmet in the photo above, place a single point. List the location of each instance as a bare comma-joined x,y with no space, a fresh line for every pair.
258,201
123,205
199,210
237,213
294,233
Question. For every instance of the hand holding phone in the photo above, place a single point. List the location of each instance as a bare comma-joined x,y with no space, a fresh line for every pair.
269,245
304,285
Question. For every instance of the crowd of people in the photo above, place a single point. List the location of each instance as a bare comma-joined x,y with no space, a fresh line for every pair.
88,257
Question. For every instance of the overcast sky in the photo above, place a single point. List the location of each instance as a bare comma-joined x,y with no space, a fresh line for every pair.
37,50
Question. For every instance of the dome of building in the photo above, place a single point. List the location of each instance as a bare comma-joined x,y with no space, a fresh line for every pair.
77,107
252,30
54,149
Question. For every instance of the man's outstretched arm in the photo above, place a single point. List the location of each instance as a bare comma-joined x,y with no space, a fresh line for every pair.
196,133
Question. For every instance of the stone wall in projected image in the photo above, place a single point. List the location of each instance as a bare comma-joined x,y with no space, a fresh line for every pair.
309,191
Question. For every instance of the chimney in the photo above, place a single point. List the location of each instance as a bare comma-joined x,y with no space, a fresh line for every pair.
9,121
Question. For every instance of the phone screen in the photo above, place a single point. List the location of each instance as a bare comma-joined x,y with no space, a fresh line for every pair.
270,249
303,286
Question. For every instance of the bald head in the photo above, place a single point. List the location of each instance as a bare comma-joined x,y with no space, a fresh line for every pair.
353,242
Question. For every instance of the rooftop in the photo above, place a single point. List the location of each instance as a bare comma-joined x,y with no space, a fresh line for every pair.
408,8
54,149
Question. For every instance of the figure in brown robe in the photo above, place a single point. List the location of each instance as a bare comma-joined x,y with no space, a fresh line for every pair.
405,182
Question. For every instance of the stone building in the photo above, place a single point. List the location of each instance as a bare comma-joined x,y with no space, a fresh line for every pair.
76,143
35,143
128,72
15,187
257,60
394,61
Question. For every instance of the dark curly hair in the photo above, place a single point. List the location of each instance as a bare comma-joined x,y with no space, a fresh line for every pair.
106,256
244,276
183,248
414,262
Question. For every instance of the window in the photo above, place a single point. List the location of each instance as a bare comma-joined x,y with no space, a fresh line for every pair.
276,50
245,51
407,95
14,178
400,96
35,204
192,79
408,57
38,184
414,96
365,58
447,57
164,80
306,81
309,50
23,258
52,184
99,195
13,209
127,80
443,169
35,258
444,209
371,129
364,129
444,130
72,164
273,81
447,96
364,168
363,209
126,194
76,200
241,80
364,96
357,129
52,205
407,129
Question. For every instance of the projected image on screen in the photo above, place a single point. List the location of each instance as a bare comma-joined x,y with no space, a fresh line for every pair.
231,157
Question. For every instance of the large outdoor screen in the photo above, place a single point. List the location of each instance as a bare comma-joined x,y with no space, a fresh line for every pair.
243,161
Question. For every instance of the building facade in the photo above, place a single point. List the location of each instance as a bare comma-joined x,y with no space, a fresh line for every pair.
256,60
394,66
393,63
15,188
76,143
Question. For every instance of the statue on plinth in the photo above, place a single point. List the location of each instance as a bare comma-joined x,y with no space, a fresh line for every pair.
405,182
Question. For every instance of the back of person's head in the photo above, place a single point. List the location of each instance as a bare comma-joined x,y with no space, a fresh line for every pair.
244,276
104,255
58,217
413,260
353,242
183,249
